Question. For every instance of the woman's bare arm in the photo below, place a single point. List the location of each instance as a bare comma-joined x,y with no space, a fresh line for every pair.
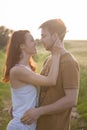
30,77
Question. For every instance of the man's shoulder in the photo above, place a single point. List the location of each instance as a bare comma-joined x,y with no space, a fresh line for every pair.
68,57
69,60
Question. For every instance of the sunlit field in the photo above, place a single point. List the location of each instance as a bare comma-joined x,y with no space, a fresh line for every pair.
79,50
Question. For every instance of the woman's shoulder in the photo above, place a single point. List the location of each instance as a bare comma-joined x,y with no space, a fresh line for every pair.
14,70
19,69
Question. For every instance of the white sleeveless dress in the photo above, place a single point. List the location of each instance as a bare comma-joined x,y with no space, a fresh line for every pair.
23,98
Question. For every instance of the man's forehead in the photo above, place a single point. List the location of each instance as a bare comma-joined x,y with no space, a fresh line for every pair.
44,31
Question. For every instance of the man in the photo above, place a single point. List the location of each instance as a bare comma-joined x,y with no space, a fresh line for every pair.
56,102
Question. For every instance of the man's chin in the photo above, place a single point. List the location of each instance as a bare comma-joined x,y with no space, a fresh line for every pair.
48,49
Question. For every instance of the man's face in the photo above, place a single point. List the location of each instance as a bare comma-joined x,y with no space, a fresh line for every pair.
46,39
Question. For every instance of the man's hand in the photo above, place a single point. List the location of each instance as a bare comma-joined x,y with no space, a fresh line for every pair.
30,116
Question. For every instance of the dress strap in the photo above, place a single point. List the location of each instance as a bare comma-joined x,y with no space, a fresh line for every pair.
23,66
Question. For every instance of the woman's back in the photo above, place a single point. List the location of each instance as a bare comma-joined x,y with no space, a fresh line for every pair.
23,99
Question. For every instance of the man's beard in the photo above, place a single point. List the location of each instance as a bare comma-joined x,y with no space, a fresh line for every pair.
49,48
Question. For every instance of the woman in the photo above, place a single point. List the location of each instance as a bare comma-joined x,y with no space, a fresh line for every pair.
23,79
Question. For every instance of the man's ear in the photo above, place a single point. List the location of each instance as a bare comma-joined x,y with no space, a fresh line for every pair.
55,37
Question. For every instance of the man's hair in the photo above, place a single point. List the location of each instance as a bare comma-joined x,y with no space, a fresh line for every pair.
55,26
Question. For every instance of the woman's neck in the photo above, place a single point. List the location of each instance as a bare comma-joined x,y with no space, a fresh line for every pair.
24,60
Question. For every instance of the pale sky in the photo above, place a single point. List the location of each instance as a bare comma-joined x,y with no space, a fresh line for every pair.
29,14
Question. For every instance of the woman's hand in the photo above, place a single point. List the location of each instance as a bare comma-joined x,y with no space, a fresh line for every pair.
58,47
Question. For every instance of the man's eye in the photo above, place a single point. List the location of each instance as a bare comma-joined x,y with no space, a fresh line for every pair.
43,36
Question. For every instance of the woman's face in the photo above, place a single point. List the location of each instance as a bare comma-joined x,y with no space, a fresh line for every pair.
30,44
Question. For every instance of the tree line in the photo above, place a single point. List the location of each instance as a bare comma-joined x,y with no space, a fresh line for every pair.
5,33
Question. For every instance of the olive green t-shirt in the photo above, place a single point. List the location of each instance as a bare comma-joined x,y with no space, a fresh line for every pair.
68,78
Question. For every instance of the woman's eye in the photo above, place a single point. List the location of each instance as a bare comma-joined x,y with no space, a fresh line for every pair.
32,40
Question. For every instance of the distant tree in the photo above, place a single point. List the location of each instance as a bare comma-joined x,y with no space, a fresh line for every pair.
4,36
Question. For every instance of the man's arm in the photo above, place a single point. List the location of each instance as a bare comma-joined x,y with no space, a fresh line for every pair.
66,102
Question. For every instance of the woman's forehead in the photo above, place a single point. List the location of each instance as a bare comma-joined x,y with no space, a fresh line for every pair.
29,35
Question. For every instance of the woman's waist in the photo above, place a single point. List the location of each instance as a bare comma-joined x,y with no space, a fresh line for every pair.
19,112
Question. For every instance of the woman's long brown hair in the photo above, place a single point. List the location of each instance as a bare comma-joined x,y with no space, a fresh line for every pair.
13,53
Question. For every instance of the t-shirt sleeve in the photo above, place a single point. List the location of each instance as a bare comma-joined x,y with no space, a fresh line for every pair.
70,74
